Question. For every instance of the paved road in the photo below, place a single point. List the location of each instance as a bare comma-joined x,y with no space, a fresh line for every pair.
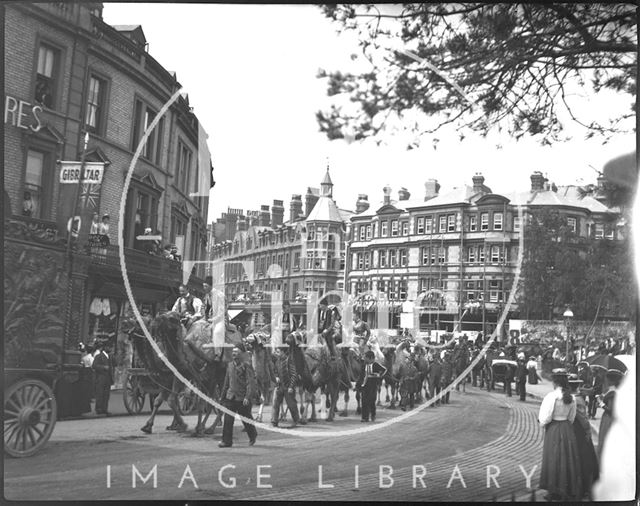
478,429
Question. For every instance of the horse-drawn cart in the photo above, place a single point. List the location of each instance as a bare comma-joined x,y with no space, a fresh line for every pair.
141,383
40,362
500,370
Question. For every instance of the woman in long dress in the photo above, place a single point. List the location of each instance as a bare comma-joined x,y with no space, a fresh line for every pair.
560,472
582,427
613,380
532,370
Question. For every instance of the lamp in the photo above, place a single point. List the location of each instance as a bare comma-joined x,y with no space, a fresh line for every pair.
568,315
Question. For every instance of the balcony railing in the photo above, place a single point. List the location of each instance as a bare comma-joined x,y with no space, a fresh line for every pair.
138,262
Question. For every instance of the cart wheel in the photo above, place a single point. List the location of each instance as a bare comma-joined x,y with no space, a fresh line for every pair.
187,402
133,395
29,417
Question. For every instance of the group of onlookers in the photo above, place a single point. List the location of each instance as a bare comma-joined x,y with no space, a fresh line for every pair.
95,378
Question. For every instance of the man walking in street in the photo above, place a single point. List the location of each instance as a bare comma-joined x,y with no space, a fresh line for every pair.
237,391
435,378
103,367
370,377
287,379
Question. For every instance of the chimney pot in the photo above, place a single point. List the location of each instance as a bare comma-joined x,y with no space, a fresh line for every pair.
362,204
431,189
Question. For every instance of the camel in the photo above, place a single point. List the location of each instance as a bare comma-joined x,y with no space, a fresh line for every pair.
169,387
205,366
263,366
390,379
353,364
318,370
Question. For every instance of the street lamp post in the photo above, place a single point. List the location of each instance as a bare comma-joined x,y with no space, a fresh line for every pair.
568,315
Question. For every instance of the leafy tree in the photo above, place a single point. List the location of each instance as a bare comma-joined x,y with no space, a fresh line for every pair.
482,65
592,276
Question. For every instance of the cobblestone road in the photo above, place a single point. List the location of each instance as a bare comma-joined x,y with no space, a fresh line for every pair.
477,430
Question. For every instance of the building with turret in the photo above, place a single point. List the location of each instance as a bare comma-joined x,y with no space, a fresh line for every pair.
264,253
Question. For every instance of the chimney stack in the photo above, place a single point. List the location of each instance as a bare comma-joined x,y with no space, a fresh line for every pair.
309,202
387,195
478,182
362,204
431,189
253,218
537,181
231,224
403,194
295,208
264,216
277,213
242,224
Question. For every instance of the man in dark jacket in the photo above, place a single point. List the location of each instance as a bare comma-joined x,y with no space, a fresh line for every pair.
103,368
287,379
521,377
370,377
435,377
237,391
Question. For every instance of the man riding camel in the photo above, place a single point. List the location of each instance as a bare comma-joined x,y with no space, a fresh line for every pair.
189,308
329,325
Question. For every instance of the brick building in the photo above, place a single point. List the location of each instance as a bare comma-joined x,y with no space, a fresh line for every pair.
264,253
68,74
447,252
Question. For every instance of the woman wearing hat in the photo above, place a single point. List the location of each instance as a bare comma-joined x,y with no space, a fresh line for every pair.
613,379
560,473
582,428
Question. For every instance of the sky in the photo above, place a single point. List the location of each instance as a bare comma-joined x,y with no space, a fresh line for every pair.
250,73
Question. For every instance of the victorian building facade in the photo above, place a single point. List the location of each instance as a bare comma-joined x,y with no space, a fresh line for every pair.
454,255
264,256
79,92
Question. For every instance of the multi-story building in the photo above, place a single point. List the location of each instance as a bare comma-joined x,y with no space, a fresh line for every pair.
449,252
69,74
263,254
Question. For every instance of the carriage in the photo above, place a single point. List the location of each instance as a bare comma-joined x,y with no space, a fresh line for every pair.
500,370
142,384
40,364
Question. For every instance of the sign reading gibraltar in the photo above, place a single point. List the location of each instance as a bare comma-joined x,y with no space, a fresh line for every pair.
70,172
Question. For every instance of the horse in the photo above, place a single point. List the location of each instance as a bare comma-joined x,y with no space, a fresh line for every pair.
460,363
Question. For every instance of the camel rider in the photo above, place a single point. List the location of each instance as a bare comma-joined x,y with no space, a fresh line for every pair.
329,325
362,331
288,322
189,308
